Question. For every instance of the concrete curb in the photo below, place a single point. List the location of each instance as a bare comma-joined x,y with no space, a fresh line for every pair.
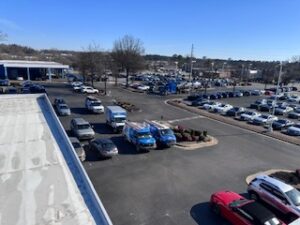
257,129
267,172
195,146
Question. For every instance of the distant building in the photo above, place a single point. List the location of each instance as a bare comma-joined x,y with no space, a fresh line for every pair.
30,70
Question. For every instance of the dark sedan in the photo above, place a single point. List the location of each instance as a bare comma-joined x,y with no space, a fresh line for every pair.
104,148
281,124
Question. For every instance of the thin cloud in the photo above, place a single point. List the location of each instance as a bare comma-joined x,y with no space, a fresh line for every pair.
9,24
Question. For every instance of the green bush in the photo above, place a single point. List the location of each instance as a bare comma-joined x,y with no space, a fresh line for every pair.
201,138
205,133
178,137
187,137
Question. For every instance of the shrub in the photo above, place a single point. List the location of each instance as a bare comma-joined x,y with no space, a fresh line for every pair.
187,137
201,138
205,133
195,138
178,137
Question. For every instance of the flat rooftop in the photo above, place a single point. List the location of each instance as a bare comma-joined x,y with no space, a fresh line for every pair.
38,184
32,64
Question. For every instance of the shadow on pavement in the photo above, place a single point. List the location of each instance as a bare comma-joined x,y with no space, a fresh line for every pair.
203,216
124,147
102,128
81,111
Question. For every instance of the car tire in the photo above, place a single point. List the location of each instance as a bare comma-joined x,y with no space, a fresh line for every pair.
253,196
215,208
137,147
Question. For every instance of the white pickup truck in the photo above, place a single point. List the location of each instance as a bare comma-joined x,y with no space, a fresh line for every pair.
94,105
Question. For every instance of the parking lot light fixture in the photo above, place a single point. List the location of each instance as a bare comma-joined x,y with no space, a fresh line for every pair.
270,128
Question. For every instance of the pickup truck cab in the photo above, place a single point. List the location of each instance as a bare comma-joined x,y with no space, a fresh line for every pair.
94,105
139,135
163,134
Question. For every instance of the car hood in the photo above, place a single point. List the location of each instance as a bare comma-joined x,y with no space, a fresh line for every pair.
147,140
168,138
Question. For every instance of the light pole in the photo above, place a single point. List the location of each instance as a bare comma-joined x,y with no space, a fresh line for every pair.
270,128
248,75
176,69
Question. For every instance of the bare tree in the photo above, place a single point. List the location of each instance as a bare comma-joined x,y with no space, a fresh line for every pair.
127,53
90,62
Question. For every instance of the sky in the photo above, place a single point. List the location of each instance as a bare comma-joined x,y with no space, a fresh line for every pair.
237,29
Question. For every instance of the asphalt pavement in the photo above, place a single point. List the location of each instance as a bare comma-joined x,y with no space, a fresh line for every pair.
172,186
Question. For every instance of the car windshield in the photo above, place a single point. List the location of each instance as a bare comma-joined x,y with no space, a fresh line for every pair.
108,145
273,221
95,104
119,120
166,132
281,121
63,107
264,116
76,145
294,195
83,126
238,202
144,135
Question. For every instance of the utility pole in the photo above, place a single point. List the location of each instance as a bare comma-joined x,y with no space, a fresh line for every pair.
191,72
275,100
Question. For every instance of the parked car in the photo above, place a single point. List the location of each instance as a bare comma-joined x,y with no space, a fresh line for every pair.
89,90
283,110
238,94
263,119
94,104
162,133
78,148
210,105
104,147
76,83
277,194
246,93
222,108
240,211
295,114
58,101
294,130
82,129
282,124
257,103
248,115
63,110
36,88
294,98
230,94
78,88
267,107
224,95
213,97
235,111
256,92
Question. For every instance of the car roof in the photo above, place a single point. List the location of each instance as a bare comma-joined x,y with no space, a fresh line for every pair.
80,121
74,139
257,212
275,182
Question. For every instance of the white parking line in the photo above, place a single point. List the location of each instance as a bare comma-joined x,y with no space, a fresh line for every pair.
184,119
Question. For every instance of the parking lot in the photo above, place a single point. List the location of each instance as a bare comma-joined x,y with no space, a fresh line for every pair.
172,186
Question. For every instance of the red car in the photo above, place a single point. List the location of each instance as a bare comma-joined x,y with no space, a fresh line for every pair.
241,211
